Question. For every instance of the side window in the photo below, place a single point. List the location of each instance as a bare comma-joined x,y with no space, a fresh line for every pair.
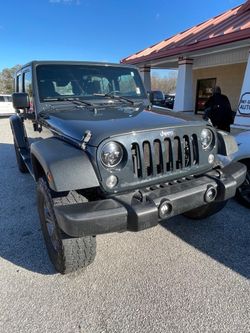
2,99
27,87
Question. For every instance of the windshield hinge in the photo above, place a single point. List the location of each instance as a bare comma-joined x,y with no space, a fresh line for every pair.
85,139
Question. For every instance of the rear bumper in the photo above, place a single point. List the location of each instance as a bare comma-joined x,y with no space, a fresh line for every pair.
117,215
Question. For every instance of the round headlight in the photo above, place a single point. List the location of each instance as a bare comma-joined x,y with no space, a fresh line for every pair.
112,154
206,138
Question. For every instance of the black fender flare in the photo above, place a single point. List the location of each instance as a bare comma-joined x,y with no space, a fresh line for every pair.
18,131
65,166
227,144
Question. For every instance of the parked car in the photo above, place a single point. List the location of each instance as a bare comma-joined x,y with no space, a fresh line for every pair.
243,155
169,101
105,160
6,107
157,97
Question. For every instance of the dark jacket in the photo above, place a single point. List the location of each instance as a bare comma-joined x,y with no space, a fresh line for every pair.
218,109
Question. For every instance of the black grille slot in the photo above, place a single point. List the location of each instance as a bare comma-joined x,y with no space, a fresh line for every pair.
148,161
194,149
168,154
136,159
187,151
177,153
158,162
158,157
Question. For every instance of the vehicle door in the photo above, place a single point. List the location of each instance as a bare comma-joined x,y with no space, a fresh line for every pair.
33,130
24,84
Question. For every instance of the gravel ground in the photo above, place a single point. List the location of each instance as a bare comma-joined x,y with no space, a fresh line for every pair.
182,276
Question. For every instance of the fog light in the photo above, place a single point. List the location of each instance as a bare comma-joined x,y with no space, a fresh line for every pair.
210,194
165,209
211,158
111,181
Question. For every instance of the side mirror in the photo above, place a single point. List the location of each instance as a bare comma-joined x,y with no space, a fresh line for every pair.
20,101
157,97
151,97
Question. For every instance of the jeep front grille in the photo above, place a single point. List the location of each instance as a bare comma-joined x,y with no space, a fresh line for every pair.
151,158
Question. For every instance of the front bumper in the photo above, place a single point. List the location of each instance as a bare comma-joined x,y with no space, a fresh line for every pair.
119,214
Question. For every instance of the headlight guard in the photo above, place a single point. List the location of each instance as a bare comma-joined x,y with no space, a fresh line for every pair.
111,154
207,139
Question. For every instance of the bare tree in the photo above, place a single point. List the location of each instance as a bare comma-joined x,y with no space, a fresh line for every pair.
167,84
6,79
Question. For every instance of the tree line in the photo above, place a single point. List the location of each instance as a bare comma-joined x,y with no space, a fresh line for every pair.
6,79
167,84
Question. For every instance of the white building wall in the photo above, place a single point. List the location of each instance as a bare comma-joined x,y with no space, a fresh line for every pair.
223,58
184,88
229,78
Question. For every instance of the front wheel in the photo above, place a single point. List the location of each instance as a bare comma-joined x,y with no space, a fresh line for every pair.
205,211
243,192
67,254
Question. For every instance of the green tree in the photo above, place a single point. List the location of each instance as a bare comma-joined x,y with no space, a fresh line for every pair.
6,79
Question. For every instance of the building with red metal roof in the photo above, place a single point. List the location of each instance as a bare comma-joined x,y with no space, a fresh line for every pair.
215,52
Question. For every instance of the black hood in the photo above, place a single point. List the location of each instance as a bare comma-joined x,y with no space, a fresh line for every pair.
105,122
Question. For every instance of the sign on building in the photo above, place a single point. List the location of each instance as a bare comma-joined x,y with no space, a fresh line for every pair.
244,105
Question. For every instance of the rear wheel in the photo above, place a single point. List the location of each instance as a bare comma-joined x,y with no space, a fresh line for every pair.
205,211
243,192
20,163
67,254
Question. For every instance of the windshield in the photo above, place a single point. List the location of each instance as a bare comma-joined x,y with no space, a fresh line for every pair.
87,81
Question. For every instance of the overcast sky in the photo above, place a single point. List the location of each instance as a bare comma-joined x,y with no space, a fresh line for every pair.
99,30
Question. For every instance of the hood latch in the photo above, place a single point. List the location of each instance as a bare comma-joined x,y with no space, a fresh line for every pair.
85,139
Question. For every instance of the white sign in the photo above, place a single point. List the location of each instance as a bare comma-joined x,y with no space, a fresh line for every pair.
244,105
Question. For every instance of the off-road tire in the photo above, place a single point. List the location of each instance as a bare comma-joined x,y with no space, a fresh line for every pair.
205,211
20,163
243,192
67,254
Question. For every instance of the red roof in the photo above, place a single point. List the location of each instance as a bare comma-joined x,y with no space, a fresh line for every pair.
231,26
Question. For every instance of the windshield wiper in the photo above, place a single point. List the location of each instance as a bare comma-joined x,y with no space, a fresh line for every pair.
55,108
74,100
112,95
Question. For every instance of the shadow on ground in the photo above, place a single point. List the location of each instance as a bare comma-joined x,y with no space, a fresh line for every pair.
225,236
21,240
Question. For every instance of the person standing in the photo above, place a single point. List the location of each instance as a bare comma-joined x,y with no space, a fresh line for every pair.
218,109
